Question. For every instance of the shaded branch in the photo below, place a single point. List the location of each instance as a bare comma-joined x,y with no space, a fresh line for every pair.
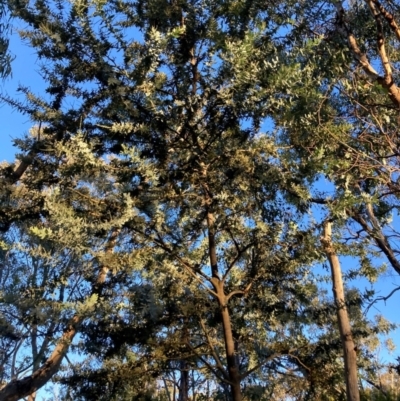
388,17
213,352
380,240
384,299
258,366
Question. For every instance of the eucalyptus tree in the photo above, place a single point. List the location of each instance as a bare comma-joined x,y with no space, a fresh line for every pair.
352,85
350,97
372,33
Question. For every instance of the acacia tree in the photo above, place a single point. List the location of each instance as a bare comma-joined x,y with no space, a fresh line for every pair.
32,269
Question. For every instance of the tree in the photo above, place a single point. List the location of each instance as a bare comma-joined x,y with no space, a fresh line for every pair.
217,135
349,347
32,269
190,225
5,57
356,105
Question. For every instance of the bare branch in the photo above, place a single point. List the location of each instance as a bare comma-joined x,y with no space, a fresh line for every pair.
384,299
209,366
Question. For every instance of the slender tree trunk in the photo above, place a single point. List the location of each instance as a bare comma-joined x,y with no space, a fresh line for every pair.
349,348
184,367
233,368
167,390
175,383
194,394
184,382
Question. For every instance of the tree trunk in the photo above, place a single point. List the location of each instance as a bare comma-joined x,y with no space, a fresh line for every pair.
35,354
184,367
349,348
184,382
233,368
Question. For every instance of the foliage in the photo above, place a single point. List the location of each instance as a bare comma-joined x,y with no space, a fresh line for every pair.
168,212
5,56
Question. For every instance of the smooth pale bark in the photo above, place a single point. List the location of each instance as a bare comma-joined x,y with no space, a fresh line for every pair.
386,81
17,389
349,348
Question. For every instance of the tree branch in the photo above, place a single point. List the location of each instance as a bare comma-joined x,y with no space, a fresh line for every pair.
258,366
380,240
388,17
213,352
17,389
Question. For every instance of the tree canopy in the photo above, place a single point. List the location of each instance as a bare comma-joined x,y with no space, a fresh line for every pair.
195,174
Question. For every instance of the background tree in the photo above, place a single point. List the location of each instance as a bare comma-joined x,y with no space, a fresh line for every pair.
5,56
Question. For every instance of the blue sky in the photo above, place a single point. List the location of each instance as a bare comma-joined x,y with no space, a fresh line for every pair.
25,72
13,125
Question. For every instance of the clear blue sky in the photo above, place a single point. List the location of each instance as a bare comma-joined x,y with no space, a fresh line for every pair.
25,72
13,125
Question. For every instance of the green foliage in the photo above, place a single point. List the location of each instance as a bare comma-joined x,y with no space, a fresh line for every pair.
165,159
5,56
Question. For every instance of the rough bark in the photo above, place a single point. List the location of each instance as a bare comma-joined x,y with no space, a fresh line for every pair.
349,348
233,369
